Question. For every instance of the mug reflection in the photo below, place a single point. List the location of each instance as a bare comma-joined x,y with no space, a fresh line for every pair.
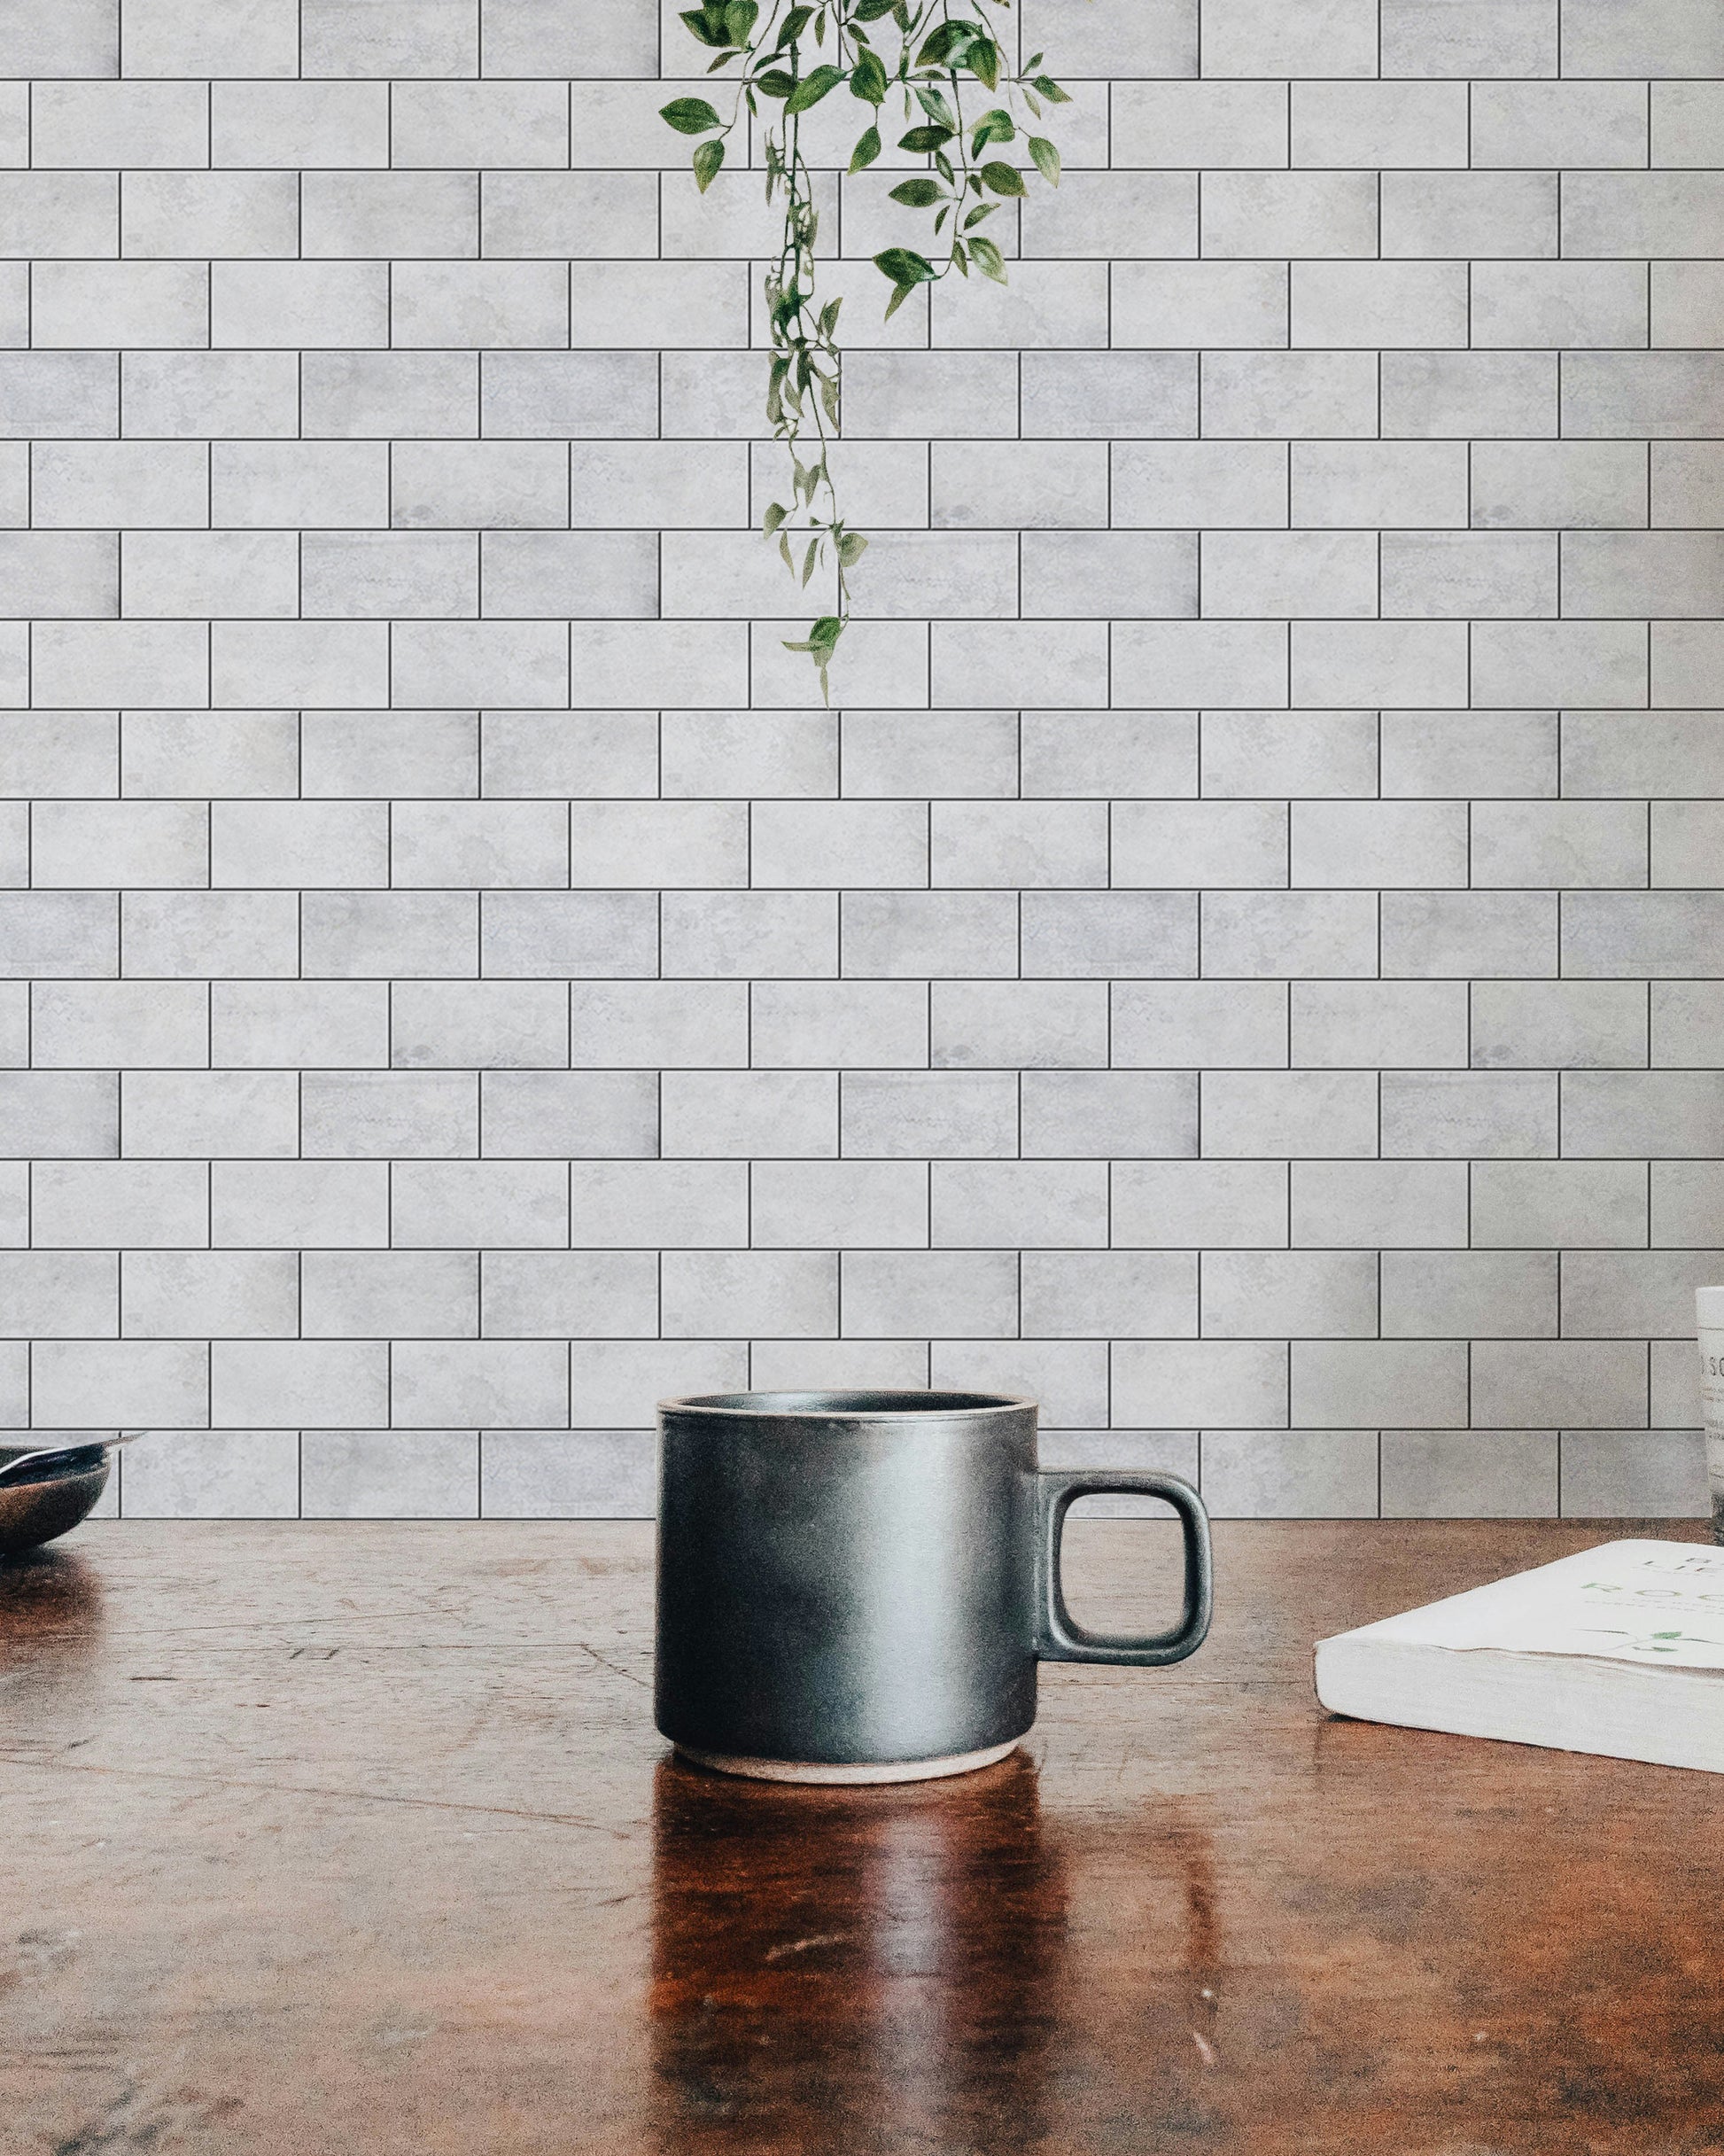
872,1969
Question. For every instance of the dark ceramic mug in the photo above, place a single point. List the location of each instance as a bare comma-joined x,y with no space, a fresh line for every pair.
858,1586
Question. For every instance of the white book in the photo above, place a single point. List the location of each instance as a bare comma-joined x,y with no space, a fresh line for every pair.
1618,1650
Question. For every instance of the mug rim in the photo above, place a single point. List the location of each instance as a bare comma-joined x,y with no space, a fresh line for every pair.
851,1404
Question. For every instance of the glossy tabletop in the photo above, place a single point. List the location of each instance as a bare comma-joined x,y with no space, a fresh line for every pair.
358,1839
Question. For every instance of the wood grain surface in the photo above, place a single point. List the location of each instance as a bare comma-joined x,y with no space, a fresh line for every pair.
359,1840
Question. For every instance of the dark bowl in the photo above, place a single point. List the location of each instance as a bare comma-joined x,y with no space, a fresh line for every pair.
46,1489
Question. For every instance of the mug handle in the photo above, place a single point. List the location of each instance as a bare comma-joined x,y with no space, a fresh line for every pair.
1062,1638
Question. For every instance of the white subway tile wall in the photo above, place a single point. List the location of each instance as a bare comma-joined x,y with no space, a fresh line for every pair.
1241,959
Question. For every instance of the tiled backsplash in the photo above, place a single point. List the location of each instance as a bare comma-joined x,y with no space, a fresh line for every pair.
1242,960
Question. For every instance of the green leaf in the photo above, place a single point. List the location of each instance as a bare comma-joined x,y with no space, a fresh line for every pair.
708,157
919,194
904,266
995,126
740,19
936,108
775,515
865,152
872,10
900,295
709,23
813,87
923,140
983,60
808,560
1004,179
851,547
867,79
690,115
775,83
792,25
1047,159
829,321
982,210
988,259
943,41
1050,89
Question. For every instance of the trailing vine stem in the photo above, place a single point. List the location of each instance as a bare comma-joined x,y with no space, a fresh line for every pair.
960,182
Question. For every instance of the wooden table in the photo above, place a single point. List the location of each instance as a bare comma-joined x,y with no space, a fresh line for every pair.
358,1839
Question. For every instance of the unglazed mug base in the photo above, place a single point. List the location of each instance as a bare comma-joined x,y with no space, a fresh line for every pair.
864,1772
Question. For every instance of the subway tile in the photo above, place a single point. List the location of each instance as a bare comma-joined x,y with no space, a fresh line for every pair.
1574,1384
389,1474
1635,934
1431,396
1371,1383
1575,1203
1574,844
1575,484
395,1295
1250,753
384,1115
744,1114
214,1475
616,1383
1608,1473
1476,1115
1368,1203
928,934
73,934
1433,934
1311,1295
243,935
552,1474
1082,1114
197,1115
1632,1294
1059,1025
1184,125
105,1205
1184,1384
1297,37
1378,844
1265,935
1188,1025
574,1115
1006,1204
1069,935
1468,1474
482,1384
1481,1295
1380,304
1289,1474
1573,1024
840,1205
229,753
1470,37
1666,1114
1380,124
1161,1205
1289,1114
686,1024
1373,1025
571,1295
205,1294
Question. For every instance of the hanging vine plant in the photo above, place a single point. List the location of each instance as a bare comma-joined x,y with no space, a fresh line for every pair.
789,60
